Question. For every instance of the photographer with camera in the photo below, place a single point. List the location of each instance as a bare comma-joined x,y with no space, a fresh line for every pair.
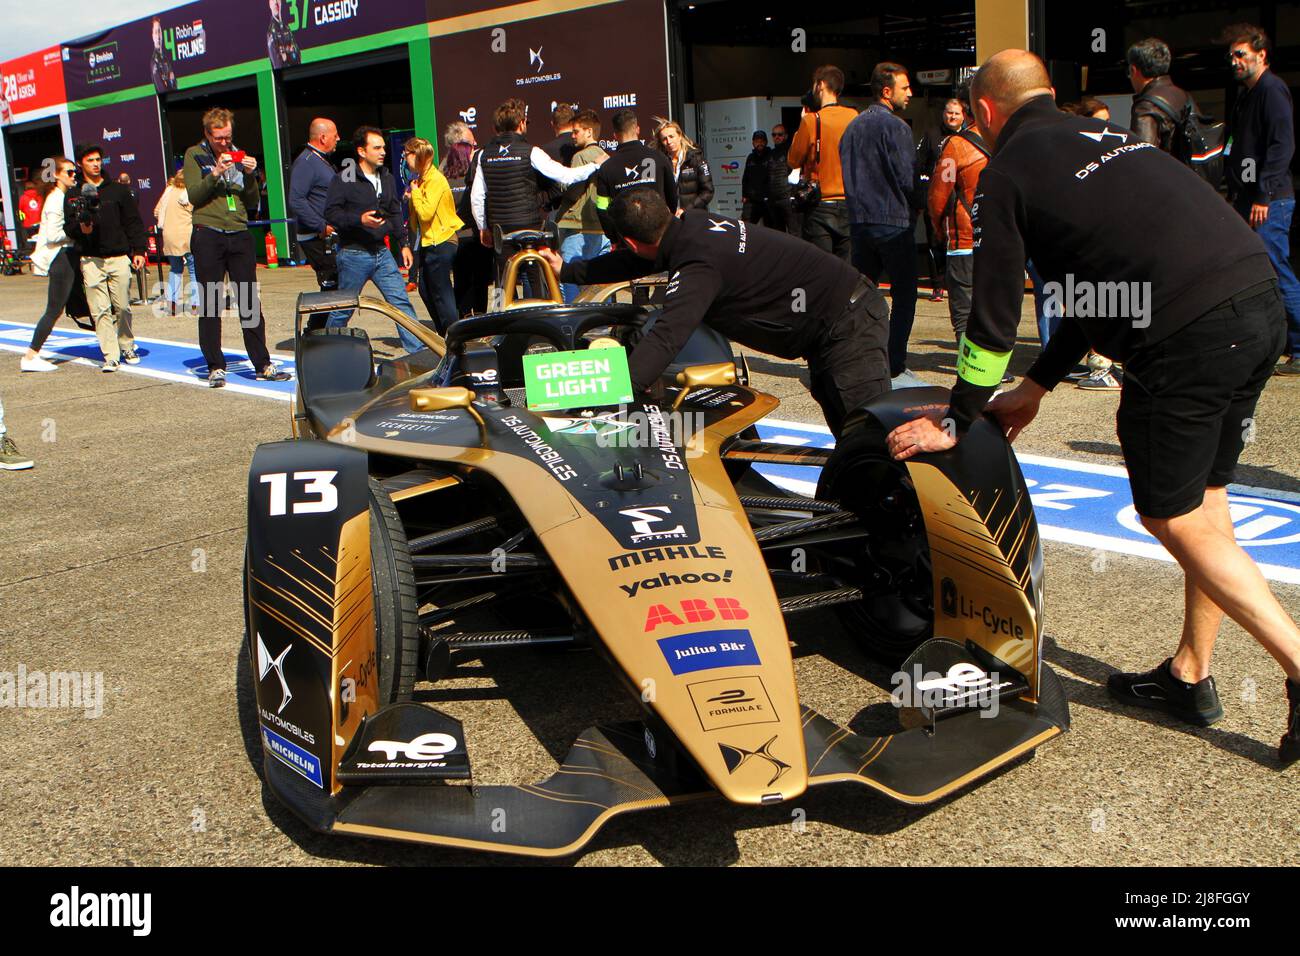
364,205
222,188
103,222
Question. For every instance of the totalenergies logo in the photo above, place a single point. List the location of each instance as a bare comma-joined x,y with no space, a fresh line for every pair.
730,167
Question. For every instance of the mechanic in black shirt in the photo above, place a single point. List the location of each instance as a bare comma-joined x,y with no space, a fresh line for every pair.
764,289
632,164
1188,302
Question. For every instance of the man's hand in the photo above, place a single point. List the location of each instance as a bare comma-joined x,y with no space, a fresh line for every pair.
368,218
249,163
407,258
223,163
552,259
1015,409
137,263
918,435
485,238
1258,214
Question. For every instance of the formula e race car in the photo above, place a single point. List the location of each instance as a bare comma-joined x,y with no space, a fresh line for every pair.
504,489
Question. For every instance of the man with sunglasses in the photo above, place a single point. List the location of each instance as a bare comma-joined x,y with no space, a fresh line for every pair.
1261,144
103,221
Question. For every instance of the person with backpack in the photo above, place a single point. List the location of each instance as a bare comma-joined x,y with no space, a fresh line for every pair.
953,182
1259,153
1158,105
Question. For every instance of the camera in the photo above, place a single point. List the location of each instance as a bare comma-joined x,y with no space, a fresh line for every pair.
84,207
330,276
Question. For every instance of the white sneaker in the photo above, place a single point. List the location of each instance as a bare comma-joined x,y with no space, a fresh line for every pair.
37,364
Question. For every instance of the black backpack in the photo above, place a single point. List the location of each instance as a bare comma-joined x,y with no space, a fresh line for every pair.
1197,140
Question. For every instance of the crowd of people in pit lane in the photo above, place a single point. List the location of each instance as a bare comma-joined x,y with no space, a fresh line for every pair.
825,216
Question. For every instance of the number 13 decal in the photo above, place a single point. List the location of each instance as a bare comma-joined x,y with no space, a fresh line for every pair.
320,483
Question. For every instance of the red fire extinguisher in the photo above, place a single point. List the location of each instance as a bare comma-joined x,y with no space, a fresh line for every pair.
272,257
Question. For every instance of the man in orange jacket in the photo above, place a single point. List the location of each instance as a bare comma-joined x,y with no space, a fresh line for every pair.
952,193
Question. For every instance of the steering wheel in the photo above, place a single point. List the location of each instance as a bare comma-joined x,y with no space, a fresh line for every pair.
546,321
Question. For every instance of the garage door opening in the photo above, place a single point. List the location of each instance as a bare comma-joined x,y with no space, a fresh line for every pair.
183,118
369,90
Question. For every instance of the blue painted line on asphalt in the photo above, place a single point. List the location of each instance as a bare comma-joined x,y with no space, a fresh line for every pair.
180,362
1076,502
1088,504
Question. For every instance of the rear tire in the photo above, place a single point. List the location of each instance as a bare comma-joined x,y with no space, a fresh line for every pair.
397,621
893,565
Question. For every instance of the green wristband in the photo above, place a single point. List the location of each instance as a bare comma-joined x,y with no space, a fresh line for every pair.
980,366
602,202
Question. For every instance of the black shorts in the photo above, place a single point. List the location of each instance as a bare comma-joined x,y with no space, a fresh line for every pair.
1188,402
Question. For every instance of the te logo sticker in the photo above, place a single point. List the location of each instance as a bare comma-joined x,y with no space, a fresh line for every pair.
695,611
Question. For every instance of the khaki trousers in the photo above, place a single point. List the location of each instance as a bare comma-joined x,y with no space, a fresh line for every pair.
108,294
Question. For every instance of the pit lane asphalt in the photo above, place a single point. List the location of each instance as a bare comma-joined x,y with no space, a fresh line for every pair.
142,482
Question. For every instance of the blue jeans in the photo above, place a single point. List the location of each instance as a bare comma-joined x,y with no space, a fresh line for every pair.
176,267
356,266
435,283
578,246
895,250
1048,320
1276,233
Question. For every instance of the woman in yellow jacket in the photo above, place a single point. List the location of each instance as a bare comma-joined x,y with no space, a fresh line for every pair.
434,225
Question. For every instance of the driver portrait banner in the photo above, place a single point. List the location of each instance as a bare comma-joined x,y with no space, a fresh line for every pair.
584,378
32,82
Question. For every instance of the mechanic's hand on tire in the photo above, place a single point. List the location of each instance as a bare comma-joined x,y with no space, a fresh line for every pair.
918,435
1015,409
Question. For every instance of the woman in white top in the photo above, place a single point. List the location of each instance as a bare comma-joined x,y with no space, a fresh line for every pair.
54,256
174,215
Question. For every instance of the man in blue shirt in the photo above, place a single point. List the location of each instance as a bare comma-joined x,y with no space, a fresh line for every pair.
878,159
1258,161
309,184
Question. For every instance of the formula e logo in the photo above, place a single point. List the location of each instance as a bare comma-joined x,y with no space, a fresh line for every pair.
1098,137
266,663
736,696
470,115
737,757
535,56
720,225
423,748
645,519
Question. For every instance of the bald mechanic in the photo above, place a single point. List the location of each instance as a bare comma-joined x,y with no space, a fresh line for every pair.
1092,205
765,289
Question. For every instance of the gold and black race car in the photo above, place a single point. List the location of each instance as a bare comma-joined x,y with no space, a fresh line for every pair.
503,489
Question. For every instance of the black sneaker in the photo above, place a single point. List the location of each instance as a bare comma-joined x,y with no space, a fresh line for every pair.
1160,690
273,373
1288,750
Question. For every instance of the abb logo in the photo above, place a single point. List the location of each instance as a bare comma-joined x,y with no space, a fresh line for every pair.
695,611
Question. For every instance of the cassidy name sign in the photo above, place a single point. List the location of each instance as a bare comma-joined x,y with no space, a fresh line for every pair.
556,380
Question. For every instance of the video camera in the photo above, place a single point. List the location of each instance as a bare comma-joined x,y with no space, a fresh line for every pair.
84,207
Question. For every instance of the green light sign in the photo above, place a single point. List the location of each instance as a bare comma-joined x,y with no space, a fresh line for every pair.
581,379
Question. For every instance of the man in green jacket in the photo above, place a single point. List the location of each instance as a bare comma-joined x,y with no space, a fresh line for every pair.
222,189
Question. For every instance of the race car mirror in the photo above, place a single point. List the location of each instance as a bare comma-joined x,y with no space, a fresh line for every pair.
441,399
714,375
586,379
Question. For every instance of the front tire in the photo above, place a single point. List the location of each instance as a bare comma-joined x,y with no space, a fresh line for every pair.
397,622
892,566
